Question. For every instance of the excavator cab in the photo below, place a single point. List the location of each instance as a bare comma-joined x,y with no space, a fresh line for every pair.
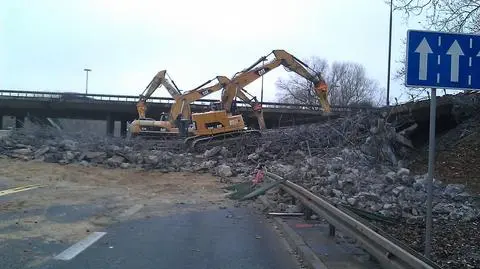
164,117
216,106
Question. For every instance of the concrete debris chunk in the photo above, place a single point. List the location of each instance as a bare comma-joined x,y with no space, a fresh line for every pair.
41,151
68,144
115,161
95,155
22,151
224,170
212,152
403,172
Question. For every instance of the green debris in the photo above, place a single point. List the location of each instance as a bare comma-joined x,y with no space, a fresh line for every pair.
370,215
248,190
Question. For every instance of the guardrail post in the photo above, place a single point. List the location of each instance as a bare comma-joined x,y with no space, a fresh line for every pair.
307,212
110,125
331,230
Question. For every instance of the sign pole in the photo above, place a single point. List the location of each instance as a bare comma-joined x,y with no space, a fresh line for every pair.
431,166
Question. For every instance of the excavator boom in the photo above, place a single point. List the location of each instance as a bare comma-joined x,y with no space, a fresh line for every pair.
159,79
183,101
250,74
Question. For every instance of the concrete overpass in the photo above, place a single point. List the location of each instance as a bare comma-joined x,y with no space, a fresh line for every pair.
111,108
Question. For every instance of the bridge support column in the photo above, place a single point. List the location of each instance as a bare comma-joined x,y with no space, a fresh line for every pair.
123,128
19,121
110,125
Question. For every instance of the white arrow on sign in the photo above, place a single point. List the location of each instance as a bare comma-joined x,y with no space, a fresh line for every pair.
424,49
454,51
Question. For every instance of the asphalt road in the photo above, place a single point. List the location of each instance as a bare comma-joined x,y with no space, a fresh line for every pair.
223,238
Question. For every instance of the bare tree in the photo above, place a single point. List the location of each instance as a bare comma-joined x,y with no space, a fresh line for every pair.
297,90
443,15
440,15
348,85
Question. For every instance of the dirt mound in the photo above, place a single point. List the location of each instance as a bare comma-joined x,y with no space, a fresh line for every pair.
457,155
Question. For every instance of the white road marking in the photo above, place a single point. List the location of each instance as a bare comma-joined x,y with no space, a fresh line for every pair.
80,246
469,79
471,43
438,59
470,61
20,189
438,77
132,210
439,41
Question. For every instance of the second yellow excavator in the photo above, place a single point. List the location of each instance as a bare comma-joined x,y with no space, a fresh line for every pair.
221,125
176,121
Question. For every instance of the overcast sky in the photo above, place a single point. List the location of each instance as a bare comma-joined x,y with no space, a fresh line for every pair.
45,45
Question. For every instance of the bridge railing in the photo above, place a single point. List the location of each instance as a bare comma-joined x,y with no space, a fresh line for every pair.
95,98
81,97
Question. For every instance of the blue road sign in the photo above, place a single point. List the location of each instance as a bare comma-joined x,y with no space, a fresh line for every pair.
442,60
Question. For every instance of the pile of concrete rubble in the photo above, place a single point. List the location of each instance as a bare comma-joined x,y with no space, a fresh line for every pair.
358,161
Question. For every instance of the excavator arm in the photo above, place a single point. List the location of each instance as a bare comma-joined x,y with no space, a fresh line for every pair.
250,74
256,106
183,101
159,79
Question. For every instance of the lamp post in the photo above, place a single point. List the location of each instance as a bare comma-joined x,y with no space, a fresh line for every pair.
389,53
86,80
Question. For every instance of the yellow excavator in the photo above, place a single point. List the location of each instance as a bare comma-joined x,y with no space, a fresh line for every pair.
221,125
148,126
176,121
218,125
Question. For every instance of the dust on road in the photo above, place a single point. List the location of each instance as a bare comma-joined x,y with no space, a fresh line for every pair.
105,193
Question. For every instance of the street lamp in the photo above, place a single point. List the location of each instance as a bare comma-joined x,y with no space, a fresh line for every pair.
86,81
389,52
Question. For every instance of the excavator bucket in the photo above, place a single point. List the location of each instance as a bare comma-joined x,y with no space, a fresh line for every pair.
257,107
141,109
322,92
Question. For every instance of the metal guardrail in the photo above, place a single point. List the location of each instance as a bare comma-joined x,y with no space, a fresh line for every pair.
390,254
95,98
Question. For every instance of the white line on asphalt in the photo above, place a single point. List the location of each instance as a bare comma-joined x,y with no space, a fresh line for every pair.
438,59
438,77
132,210
80,246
